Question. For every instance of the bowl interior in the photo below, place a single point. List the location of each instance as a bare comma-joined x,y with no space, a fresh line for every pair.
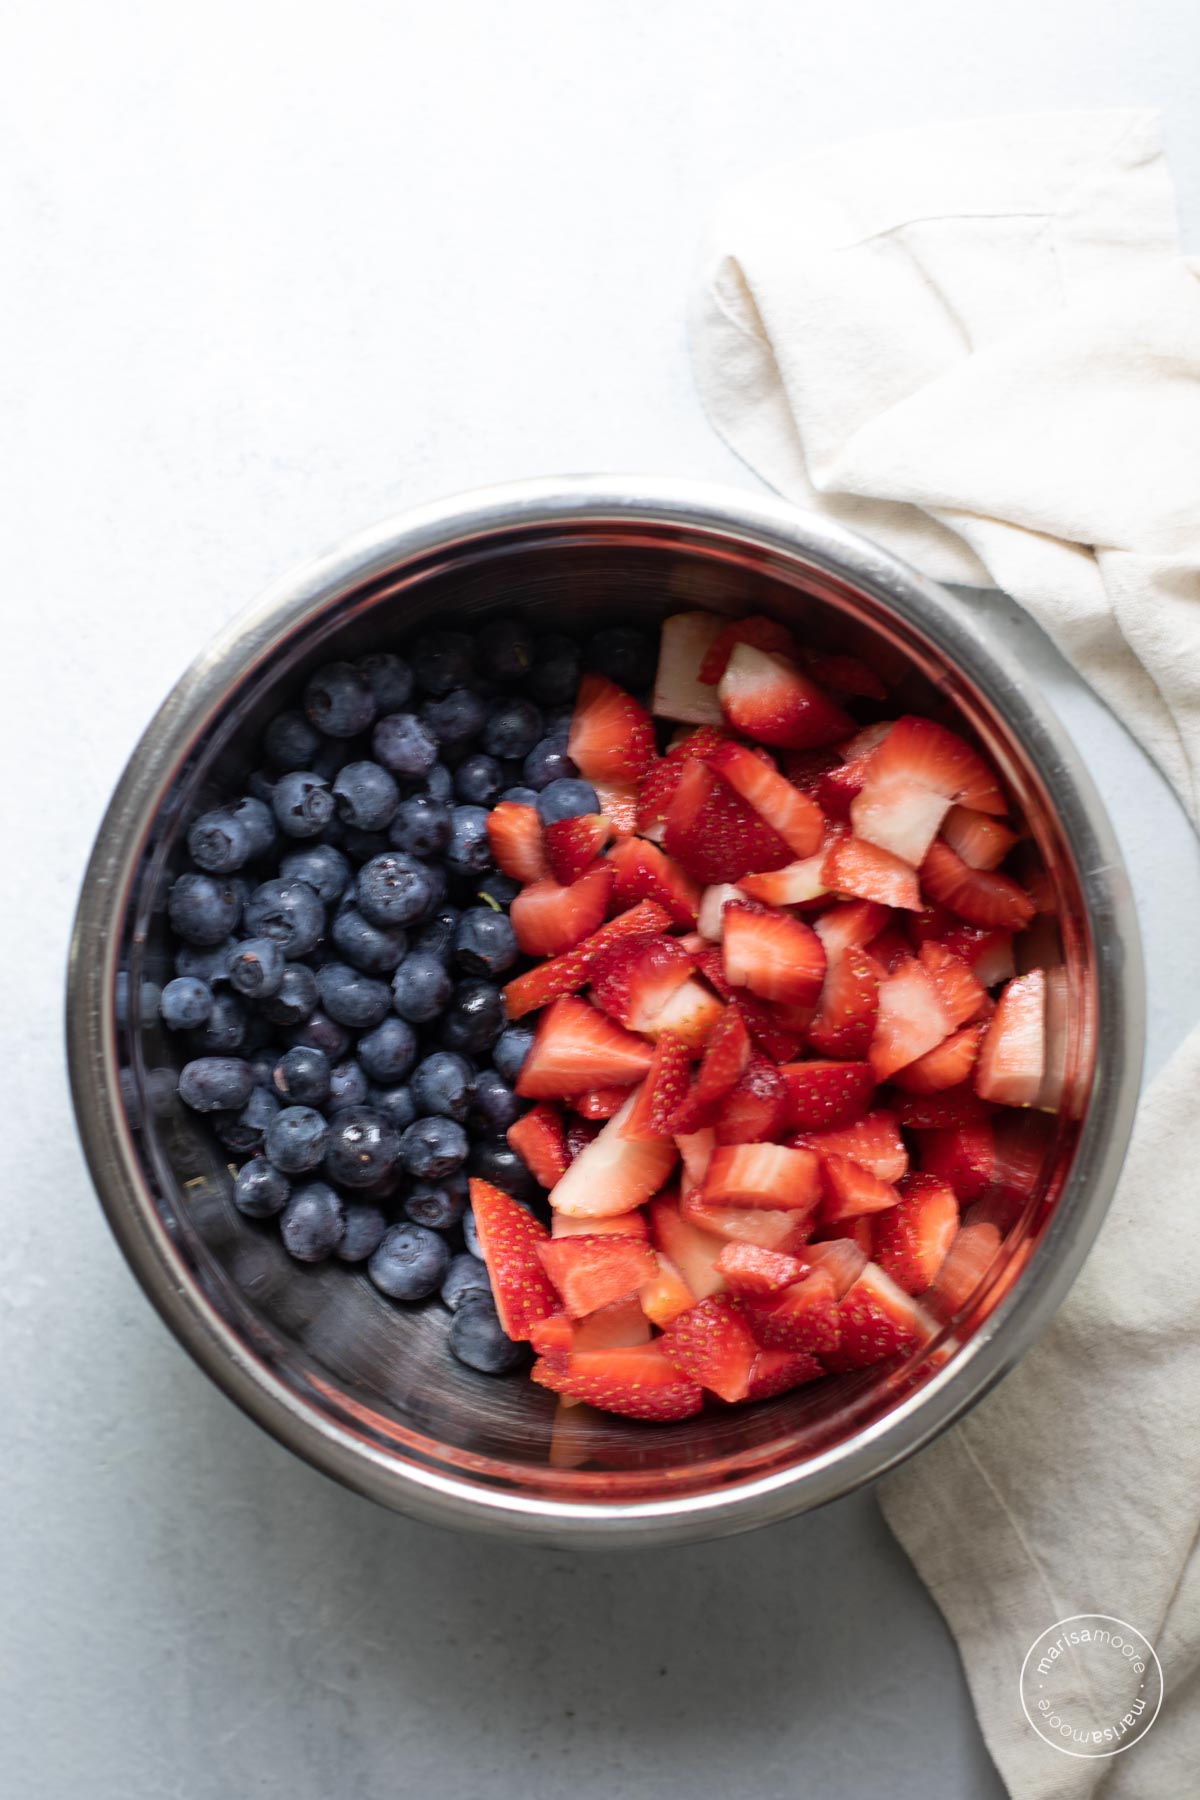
382,1373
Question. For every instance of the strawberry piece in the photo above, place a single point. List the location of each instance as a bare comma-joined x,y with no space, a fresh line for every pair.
779,1371
989,954
700,742
865,872
591,1271
655,791
642,872
804,1317
924,752
899,816
726,1058
696,1151
878,1320
663,1089
688,1248
846,675
630,1224
858,1232
938,1111
842,1258
613,1173
509,1238
577,1048
851,926
797,819
713,834
836,790
638,1383
553,1334
691,1014
753,1113
684,642
768,1227
766,696
566,974
618,803
944,1067
778,957
763,633
851,1191
794,885
826,1096
1012,1059
911,1241
572,845
962,995
517,842
911,1019
874,1142
617,1326
666,1294
967,1261
848,1008
804,768
749,1269
538,1139
713,1345
579,1134
550,919
767,1030
632,980
601,1103
981,840
769,1175
612,736
710,919
979,896
964,1156
889,949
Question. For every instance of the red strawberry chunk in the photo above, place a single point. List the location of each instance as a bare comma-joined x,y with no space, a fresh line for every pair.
515,835
641,871
960,992
696,1150
836,790
878,1320
947,1066
679,693
775,955
618,803
509,1238
566,974
666,1294
779,1371
539,1140
804,1317
713,834
866,872
922,751
766,696
691,1013
798,819
663,1089
911,1019
577,1048
964,1156
637,1382
573,845
630,1224
726,1058
846,675
989,954
967,1261
842,1258
601,1103
899,816
1012,1059
655,791
858,1232
770,1227
553,1334
981,840
850,926
550,919
794,885
844,1023
769,1175
689,1248
874,1142
911,1241
753,1113
940,1110
851,1190
594,1270
767,1030
763,633
713,1345
633,979
617,1326
826,1096
612,736
749,1269
613,1173
979,896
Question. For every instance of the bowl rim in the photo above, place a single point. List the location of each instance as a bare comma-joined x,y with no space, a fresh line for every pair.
751,520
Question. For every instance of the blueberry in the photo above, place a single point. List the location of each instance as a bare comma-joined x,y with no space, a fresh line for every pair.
204,909
443,660
478,780
395,1103
185,1003
456,718
313,1222
410,1263
224,1030
375,949
421,987
363,1147
302,1075
216,1083
469,852
555,672
485,942
295,1139
566,799
365,1226
218,843
290,741
262,1065
254,815
347,1085
512,728
478,1339
405,745
548,761
510,1050
389,679
395,889
471,1235
433,1148
290,912
244,1133
338,701
366,796
623,653
443,1084
389,1052
260,1189
495,1104
520,796
209,965
466,1278
295,998
474,1019
505,649
438,1205
323,1033
352,998
323,867
497,888
437,935
257,968
439,783
495,1161
421,826
302,803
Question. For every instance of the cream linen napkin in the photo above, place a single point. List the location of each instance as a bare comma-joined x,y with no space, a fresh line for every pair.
979,345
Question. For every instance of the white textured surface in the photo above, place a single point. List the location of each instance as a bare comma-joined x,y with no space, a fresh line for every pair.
272,272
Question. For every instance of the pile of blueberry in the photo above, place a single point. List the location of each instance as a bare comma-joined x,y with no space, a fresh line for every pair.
342,939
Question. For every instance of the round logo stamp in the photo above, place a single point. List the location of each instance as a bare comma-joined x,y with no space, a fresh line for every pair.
1091,1685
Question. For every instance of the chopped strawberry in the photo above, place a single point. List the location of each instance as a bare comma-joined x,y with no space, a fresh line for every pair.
666,1294
852,925
922,751
642,872
851,1190
911,1241
911,1019
778,957
749,1269
699,742
1012,1060
509,1237
804,768
862,746
593,1271
878,1320
619,805
601,1103
554,1333
516,838
753,1113
769,1175
712,1344
837,789
967,1261
804,1317
576,1048
962,1155
960,992
770,1227
874,1142
763,633
713,834
573,845
550,919
710,919
639,1382
579,1134
612,736
566,974
989,954
679,693
665,1085
846,675
726,1057
826,1096
947,1066
979,896
981,840
695,1151
691,1013
538,1139
865,872
1054,1078
613,1174
767,1029
798,819
768,698
938,1111
844,1023
795,885
842,1258
630,1224
858,1231
889,949
656,790
618,1326
633,979
899,816
688,1247
779,1371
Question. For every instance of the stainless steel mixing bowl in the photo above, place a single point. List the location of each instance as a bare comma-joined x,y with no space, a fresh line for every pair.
367,1391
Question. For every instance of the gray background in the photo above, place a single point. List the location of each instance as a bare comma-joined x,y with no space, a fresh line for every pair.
274,271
